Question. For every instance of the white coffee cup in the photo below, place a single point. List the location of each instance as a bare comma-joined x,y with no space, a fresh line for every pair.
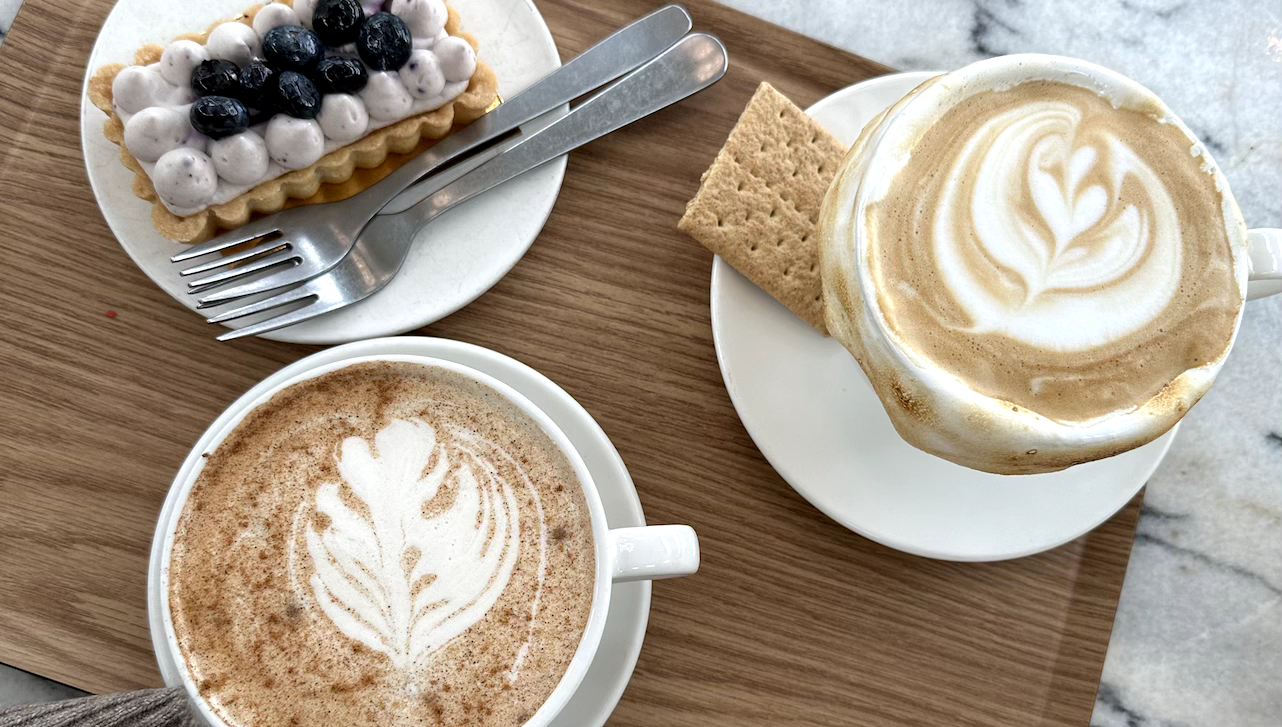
963,425
622,554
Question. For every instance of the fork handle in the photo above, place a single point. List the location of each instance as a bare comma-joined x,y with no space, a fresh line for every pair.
694,63
623,51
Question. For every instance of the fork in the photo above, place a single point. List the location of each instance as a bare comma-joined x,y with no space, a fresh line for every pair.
313,239
694,63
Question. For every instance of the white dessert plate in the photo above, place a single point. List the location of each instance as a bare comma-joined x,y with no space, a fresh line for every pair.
815,417
454,260
629,611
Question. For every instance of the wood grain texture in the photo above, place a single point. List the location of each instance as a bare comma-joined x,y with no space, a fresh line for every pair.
792,620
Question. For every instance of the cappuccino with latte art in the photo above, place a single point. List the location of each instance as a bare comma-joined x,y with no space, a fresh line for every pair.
1035,263
390,543
1055,252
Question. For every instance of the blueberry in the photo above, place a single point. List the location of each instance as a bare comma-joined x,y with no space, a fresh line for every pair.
257,86
219,116
384,42
296,95
340,75
216,78
338,22
292,48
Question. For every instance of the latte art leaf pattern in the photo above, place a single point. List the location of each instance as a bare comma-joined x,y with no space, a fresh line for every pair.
1044,225
1045,245
388,544
419,547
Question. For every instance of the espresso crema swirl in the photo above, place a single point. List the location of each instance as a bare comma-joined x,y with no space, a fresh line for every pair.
1055,252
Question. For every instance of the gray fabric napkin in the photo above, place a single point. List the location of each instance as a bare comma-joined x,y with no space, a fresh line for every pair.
147,708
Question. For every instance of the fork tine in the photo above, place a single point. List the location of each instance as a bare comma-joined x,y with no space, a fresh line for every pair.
241,256
316,308
238,236
298,273
266,304
255,266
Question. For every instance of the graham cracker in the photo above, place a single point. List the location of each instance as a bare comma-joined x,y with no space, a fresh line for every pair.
340,174
758,205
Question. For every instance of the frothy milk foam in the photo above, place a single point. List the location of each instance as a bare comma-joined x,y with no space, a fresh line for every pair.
1048,218
389,543
1022,254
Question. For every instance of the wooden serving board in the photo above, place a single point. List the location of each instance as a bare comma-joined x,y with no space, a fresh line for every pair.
792,620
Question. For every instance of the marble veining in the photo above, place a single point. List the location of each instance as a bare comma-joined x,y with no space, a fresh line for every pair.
1198,636
8,11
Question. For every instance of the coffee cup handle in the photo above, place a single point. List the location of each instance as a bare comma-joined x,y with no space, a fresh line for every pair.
653,552
1264,247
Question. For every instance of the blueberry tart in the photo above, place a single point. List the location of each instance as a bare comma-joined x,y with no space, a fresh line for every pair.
292,103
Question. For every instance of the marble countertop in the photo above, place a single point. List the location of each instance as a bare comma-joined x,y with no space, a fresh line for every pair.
1198,636
8,11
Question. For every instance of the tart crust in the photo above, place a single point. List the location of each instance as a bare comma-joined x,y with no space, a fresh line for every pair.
340,174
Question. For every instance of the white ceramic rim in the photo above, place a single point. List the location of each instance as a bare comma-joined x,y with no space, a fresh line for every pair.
924,109
816,498
591,638
369,327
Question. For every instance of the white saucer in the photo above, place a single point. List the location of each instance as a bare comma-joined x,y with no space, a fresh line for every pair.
814,416
629,611
456,258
